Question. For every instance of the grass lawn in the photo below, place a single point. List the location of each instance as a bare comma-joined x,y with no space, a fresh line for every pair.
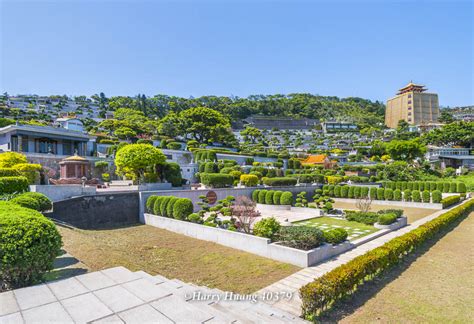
354,229
172,255
435,285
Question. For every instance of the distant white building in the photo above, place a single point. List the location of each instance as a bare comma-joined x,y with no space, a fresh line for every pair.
73,124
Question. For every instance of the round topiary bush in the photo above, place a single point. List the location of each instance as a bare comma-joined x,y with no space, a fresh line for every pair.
194,218
286,198
26,202
462,187
29,243
344,191
277,197
387,219
183,207
249,180
407,195
436,196
426,196
388,195
269,197
266,227
255,195
335,236
397,195
170,205
261,196
9,185
416,196
163,206
43,201
150,203
157,205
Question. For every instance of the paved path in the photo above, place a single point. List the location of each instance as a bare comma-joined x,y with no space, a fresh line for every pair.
294,282
117,295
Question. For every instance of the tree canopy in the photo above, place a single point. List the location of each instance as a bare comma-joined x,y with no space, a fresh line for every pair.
138,158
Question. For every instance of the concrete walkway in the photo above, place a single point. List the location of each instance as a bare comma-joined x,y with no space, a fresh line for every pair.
117,295
294,282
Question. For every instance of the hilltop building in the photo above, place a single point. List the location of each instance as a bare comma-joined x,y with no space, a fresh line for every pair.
412,104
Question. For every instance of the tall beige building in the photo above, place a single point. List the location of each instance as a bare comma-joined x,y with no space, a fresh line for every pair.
413,105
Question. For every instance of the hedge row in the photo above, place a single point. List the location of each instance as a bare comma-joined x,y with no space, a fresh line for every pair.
216,180
337,284
279,181
452,187
249,180
33,200
9,185
29,243
451,200
272,197
170,206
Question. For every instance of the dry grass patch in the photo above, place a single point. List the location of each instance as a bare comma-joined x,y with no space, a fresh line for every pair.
172,255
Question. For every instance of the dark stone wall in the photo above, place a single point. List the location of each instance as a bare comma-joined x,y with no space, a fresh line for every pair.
99,211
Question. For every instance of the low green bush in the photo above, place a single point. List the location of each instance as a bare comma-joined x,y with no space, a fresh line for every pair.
451,200
338,284
286,198
446,187
301,237
164,205
261,196
388,194
150,203
462,187
364,192
26,202
397,212
426,197
335,235
9,185
170,205
380,194
436,196
356,192
344,191
255,195
368,218
269,197
373,193
217,180
182,208
44,203
337,191
279,181
29,243
416,196
9,172
453,187
157,205
277,197
397,195
266,227
194,218
249,180
407,195
350,193
29,170
387,219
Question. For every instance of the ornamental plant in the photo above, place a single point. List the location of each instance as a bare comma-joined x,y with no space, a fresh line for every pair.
266,227
277,197
182,208
261,196
436,196
301,200
42,202
416,196
269,197
249,180
138,158
255,195
286,198
407,195
426,196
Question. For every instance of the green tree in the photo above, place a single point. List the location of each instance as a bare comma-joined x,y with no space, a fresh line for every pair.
125,133
458,133
138,158
446,117
406,150
251,134
203,124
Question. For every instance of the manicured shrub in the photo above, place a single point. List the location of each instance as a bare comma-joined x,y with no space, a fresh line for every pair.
331,190
210,167
398,212
350,193
29,243
150,203
380,193
461,187
335,236
426,196
446,186
157,205
368,218
280,181
333,180
373,193
173,146
356,192
261,196
255,195
170,205
451,200
432,186
416,186
30,171
387,219
194,218
421,186
416,196
286,198
453,187
439,186
9,172
410,185
301,237
276,197
182,208
217,180
407,195
364,192
43,203
388,195
10,185
337,191
164,205
436,196
249,180
397,195
404,186
327,290
269,197
26,202
344,191
266,227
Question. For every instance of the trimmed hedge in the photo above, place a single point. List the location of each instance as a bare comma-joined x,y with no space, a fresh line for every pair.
451,200
29,243
249,180
9,172
157,205
279,181
416,196
169,207
387,219
451,187
436,196
42,202
368,218
301,237
269,197
255,195
9,185
30,171
397,195
335,236
286,198
26,202
343,281
216,180
163,205
261,196
426,197
150,203
277,197
266,227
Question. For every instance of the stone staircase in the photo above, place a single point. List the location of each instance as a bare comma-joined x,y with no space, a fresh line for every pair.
118,295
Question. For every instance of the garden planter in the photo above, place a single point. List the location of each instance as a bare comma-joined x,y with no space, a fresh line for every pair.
265,207
399,223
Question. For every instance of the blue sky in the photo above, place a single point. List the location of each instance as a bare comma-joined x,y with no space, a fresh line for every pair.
343,48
